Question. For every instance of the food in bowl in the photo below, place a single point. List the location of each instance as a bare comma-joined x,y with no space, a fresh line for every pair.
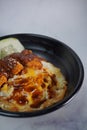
29,82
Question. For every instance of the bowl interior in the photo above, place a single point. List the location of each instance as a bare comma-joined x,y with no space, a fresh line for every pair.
61,56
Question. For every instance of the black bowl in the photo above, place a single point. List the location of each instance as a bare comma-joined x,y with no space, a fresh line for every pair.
61,56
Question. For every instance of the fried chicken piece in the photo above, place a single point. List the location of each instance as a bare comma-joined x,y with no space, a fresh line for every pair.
35,63
17,68
3,79
26,52
13,66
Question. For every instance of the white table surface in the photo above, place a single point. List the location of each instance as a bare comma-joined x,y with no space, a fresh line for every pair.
65,20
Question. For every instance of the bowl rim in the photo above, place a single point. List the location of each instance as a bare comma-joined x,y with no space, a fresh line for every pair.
59,104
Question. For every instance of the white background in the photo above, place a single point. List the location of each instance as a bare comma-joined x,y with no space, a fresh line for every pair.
65,20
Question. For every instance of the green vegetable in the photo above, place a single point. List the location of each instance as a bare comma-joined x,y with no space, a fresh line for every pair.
9,46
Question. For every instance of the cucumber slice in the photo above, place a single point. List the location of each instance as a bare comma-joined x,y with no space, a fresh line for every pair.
7,50
10,45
